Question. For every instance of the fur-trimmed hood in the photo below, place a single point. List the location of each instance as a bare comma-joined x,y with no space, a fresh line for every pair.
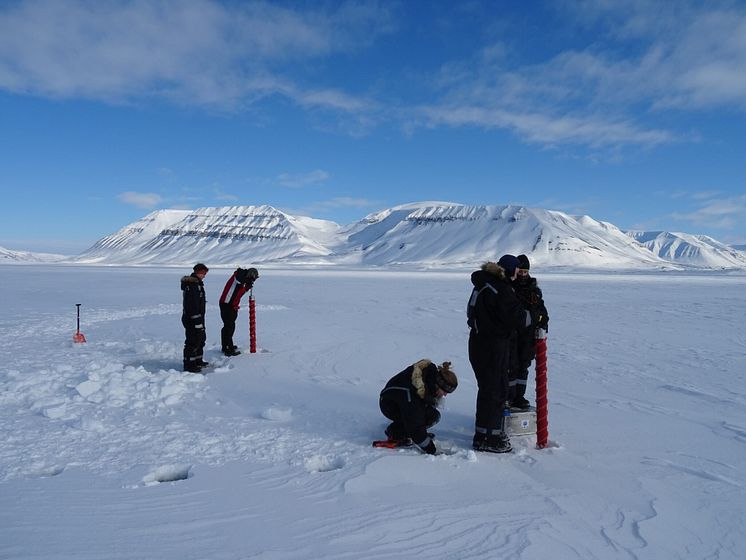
418,376
488,273
493,268
427,378
189,280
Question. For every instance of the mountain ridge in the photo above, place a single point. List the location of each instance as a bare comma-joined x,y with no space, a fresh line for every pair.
422,234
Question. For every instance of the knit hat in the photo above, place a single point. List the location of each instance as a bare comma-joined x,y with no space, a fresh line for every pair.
199,267
445,379
523,263
508,263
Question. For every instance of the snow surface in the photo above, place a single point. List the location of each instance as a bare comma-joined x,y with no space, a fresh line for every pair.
109,451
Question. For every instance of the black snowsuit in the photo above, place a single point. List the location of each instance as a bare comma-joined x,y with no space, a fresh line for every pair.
524,349
494,314
193,319
409,400
237,285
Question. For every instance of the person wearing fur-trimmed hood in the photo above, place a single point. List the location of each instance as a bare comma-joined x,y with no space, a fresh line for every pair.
493,315
410,400
193,318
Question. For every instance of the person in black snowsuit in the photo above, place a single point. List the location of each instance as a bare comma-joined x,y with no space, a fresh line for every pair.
193,318
410,400
240,282
524,349
493,315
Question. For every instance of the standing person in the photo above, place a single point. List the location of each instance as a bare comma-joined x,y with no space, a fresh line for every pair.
524,350
240,282
193,318
493,314
410,400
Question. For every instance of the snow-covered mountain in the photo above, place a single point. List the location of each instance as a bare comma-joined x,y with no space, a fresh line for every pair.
458,234
227,235
9,256
126,244
692,250
428,234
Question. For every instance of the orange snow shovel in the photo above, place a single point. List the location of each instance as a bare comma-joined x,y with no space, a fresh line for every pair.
78,336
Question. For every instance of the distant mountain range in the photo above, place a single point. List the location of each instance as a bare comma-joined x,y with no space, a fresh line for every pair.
693,250
425,235
9,256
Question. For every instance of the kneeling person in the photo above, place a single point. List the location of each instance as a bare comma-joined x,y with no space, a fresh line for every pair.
410,400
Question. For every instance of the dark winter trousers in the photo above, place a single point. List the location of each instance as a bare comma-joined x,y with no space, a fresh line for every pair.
397,429
229,316
490,360
194,344
521,356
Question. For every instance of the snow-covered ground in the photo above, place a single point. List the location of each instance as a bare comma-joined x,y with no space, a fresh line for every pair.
109,451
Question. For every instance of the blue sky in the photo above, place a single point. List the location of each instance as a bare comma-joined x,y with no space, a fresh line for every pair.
632,112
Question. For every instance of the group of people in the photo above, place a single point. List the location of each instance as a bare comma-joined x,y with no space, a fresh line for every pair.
504,312
193,313
505,309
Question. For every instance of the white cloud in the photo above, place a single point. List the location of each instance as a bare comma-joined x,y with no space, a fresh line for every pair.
141,200
692,54
720,213
200,52
652,58
298,180
655,57
548,129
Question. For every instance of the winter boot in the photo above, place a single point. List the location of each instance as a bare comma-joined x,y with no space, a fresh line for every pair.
520,403
192,367
231,351
478,440
395,432
202,363
496,443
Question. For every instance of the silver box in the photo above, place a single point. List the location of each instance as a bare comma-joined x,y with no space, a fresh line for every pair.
521,423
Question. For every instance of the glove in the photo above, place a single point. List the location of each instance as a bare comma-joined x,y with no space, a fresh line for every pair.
543,322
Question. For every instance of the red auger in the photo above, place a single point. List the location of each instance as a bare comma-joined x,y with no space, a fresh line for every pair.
252,323
542,412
